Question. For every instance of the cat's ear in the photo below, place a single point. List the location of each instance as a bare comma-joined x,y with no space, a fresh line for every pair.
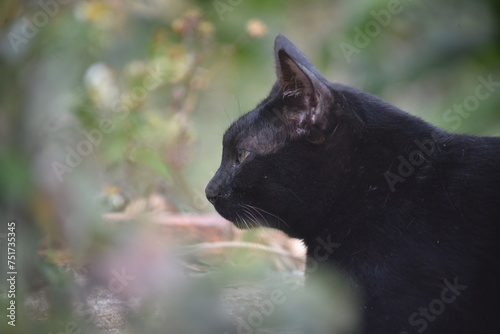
302,85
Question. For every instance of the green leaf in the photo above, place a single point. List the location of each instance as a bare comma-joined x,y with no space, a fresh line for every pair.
152,160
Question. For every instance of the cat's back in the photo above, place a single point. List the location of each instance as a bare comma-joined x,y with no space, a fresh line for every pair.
469,169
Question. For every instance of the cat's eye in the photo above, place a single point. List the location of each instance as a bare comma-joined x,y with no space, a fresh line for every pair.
242,155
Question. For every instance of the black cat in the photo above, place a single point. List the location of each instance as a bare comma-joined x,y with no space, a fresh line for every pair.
408,213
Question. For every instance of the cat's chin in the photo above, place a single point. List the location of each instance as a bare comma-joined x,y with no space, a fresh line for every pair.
229,215
237,219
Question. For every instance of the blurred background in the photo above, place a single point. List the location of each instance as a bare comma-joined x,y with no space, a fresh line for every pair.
111,120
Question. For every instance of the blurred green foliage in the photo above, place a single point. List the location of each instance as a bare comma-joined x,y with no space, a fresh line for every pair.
105,102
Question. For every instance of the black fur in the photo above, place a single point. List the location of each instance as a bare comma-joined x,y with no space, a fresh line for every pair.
415,210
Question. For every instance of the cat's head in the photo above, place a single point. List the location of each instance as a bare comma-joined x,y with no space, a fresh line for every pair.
284,163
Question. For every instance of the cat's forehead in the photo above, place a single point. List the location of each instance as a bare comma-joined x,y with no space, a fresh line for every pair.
253,132
242,129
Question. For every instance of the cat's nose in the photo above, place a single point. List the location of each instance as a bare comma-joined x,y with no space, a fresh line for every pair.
212,199
211,193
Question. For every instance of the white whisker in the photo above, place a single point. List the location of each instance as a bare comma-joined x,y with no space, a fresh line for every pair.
260,211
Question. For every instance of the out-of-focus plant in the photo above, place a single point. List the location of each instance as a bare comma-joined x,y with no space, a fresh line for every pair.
93,94
424,56
140,112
